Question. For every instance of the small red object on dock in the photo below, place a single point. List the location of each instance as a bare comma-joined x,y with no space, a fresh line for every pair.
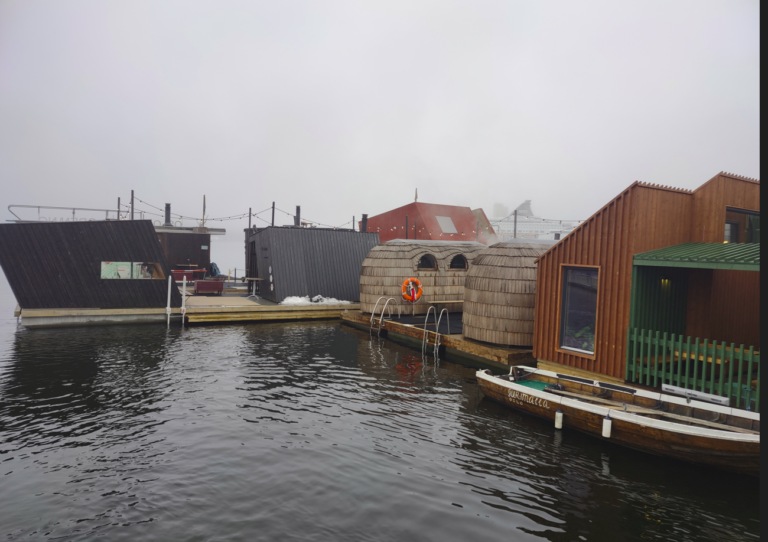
209,286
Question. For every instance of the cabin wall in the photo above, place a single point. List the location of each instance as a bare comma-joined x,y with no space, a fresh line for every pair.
710,201
601,241
387,266
310,262
724,306
641,219
499,294
53,265
661,299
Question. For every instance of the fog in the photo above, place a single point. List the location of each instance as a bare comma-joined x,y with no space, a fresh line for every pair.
346,108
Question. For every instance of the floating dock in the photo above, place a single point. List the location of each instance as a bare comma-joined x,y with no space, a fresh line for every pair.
199,309
451,345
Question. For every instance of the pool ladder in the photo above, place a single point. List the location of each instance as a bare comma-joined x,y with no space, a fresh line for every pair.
425,336
383,309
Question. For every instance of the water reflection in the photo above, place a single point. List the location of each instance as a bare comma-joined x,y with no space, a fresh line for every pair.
312,430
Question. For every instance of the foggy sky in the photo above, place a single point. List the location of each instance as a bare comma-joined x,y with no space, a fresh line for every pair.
345,108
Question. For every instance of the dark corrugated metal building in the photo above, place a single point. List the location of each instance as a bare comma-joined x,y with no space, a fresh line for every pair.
297,261
60,265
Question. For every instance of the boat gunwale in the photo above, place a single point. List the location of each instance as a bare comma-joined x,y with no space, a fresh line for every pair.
637,419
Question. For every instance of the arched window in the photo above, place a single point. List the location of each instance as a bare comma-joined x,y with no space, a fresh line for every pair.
427,262
459,262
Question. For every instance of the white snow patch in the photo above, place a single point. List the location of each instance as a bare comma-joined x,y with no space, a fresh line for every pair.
317,300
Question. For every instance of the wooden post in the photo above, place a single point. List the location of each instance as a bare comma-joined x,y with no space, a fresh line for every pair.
168,307
183,299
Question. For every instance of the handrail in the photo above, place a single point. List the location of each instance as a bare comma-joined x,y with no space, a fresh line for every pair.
448,317
373,314
437,330
73,209
381,320
425,336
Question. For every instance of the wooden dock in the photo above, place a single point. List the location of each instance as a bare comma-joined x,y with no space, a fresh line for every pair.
452,345
199,309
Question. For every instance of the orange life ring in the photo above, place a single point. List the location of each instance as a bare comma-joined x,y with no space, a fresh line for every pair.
412,289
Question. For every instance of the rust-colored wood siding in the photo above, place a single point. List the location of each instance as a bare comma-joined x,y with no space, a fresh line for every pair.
642,218
711,199
596,242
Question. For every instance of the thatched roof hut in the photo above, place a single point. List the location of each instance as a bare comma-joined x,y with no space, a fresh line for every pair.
500,292
441,266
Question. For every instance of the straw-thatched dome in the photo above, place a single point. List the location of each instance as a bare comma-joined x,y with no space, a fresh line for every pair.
500,293
441,266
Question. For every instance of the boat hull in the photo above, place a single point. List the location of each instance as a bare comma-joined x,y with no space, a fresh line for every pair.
723,453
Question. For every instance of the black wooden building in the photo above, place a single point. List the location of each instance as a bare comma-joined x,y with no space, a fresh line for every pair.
294,261
100,264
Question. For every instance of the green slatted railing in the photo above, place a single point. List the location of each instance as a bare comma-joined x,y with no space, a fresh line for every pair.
655,358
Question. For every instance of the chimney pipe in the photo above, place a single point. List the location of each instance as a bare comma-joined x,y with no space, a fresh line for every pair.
297,218
364,225
167,215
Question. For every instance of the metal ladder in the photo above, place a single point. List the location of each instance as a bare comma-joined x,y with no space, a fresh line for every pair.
383,309
425,336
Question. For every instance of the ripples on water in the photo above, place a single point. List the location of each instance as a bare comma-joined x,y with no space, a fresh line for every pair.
311,431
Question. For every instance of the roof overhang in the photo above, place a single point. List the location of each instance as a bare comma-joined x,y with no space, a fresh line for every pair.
734,257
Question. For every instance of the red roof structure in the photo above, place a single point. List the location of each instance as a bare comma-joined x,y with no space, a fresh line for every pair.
432,222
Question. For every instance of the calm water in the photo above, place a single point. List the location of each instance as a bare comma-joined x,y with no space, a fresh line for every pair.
310,431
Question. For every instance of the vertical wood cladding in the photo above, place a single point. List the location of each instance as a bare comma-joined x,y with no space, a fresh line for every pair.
710,201
309,261
183,248
724,306
642,218
58,264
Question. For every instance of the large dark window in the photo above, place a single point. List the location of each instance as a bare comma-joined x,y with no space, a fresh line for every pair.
458,262
578,314
427,262
741,226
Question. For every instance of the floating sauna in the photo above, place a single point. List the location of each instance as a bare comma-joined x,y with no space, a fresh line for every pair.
441,266
499,294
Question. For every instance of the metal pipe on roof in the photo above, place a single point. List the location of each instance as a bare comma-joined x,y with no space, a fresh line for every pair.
273,213
131,204
168,215
118,208
364,225
297,218
514,235
250,213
